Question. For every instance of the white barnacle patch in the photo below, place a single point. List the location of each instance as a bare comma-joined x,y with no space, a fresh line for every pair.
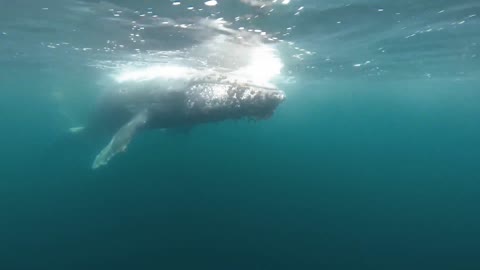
249,95
214,95
210,96
219,93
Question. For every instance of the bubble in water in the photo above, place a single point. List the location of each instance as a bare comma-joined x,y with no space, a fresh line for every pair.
211,3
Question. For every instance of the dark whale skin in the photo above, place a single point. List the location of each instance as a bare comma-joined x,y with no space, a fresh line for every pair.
199,103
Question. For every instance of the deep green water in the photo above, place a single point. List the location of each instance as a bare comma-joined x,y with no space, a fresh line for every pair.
352,172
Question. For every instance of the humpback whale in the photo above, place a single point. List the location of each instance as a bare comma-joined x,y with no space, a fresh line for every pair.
175,98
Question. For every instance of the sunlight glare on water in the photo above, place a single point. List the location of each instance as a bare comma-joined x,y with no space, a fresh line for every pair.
155,72
264,66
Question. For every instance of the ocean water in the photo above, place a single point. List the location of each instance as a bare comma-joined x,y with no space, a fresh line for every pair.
372,162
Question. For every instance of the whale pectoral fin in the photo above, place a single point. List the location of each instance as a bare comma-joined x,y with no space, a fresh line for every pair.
120,140
76,130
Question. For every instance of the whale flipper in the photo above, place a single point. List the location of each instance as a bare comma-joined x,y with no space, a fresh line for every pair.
121,139
75,130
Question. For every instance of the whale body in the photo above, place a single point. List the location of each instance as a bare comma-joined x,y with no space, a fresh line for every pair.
139,104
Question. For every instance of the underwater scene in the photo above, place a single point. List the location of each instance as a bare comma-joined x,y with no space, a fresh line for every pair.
239,134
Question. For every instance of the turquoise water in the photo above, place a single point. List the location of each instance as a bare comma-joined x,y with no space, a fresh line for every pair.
371,163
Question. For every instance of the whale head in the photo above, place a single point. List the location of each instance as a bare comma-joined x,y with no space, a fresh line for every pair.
234,100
